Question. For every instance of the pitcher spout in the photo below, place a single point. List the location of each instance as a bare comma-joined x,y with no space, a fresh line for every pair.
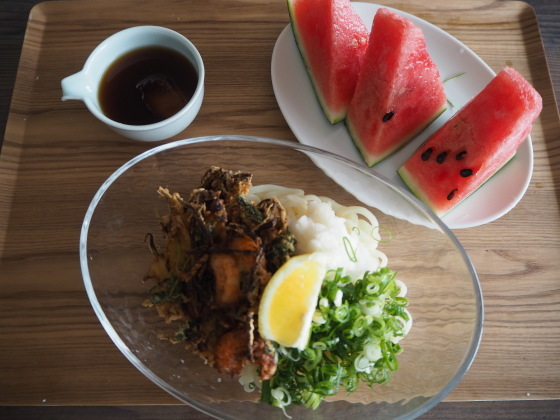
75,87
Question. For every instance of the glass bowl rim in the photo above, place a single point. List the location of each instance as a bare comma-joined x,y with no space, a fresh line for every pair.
421,409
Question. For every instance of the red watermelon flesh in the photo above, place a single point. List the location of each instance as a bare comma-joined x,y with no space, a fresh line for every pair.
399,91
474,144
332,40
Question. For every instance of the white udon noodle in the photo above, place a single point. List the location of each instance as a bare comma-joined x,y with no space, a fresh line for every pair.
362,233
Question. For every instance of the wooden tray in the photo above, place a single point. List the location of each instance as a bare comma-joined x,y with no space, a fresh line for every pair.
55,156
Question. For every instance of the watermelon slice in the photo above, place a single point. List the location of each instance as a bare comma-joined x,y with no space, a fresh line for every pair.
474,144
332,40
399,91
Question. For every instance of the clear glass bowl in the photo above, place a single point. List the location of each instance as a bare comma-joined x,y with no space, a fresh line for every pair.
443,289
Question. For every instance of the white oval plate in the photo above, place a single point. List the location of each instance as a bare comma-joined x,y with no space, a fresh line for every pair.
305,117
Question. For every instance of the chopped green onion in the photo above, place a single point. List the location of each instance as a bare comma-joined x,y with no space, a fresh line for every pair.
319,345
281,398
357,342
342,313
386,230
449,79
373,352
350,251
453,77
372,288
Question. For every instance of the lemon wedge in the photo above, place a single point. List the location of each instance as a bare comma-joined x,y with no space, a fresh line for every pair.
289,300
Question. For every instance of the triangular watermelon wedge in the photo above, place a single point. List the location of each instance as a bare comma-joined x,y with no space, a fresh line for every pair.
399,91
473,144
332,40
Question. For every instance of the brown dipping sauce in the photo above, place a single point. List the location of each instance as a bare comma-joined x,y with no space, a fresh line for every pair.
147,85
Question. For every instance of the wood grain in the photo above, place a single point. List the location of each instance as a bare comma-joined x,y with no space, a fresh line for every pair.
482,410
55,156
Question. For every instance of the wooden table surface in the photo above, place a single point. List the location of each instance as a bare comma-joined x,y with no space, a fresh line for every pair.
57,361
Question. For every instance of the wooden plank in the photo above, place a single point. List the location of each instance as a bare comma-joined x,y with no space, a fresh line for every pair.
518,410
55,156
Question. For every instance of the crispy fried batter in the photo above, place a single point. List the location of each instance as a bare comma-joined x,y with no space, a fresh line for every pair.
228,182
219,254
231,352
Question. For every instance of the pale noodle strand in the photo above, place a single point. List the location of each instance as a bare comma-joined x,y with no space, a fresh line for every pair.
358,220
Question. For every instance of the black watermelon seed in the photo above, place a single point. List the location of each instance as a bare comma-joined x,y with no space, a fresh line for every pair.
426,155
466,172
451,194
388,116
441,157
461,155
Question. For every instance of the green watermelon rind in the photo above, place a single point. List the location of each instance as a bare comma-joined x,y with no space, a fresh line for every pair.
331,116
409,181
372,160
